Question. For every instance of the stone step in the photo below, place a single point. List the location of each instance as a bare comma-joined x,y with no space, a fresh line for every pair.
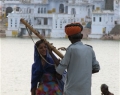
2,31
86,32
2,35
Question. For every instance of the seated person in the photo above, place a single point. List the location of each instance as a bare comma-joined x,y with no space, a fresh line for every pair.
105,90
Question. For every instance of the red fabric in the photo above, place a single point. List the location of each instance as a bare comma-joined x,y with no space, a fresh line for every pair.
71,30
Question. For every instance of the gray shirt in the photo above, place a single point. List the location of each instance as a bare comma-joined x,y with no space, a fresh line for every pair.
79,61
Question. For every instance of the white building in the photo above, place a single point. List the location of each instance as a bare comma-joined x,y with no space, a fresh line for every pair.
98,5
102,22
49,17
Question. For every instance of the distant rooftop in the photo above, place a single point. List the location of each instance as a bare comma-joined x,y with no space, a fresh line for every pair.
103,12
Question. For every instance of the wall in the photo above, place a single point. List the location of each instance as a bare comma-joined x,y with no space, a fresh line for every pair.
107,23
106,19
99,29
100,4
81,11
13,21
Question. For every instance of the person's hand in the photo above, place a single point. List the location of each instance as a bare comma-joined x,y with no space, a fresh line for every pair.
95,71
62,48
59,77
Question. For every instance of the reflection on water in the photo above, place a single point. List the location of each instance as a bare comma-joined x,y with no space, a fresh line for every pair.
17,58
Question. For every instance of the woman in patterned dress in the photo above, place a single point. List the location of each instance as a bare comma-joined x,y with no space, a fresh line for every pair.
43,78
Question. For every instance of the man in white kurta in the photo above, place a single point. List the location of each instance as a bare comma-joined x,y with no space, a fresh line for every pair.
79,61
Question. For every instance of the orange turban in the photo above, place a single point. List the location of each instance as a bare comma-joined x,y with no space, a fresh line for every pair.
73,28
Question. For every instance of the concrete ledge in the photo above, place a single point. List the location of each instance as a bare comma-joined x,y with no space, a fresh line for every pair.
97,36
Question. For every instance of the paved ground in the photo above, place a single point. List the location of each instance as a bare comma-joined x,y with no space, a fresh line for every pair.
17,58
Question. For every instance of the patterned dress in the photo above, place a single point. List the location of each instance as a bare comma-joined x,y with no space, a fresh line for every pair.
48,86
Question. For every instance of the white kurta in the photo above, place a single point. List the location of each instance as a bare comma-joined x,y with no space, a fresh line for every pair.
79,61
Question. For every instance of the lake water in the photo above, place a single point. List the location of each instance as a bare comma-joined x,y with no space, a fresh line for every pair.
16,58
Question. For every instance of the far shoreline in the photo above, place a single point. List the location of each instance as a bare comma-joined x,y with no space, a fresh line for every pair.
114,38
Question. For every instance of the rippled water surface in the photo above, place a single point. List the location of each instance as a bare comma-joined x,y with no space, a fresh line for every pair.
16,58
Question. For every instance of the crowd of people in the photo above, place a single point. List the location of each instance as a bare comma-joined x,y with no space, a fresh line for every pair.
79,61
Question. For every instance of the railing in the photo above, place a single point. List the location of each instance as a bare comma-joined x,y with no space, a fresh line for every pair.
42,26
39,1
12,1
22,26
38,26
43,15
77,2
98,0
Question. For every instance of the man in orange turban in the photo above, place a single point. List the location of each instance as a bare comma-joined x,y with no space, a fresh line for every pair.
80,62
73,28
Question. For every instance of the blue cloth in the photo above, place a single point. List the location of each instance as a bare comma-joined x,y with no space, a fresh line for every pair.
38,70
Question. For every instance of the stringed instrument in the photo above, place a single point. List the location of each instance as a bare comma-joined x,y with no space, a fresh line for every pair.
41,37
